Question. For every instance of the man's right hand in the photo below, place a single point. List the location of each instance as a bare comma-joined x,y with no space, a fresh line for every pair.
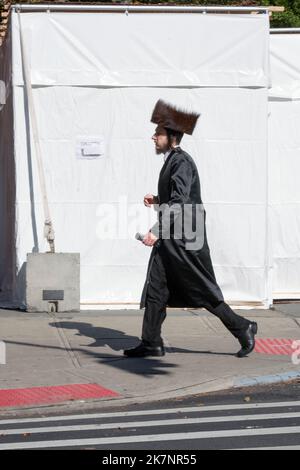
149,199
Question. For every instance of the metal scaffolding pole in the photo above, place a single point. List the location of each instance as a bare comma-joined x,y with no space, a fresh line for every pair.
138,8
284,30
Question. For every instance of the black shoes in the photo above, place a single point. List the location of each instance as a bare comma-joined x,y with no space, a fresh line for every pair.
142,350
247,340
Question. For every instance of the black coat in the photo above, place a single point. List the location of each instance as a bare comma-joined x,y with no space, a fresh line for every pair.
190,275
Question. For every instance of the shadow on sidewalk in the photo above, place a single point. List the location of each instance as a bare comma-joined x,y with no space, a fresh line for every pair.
116,340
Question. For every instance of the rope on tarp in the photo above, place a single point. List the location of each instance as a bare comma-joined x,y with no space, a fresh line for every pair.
48,225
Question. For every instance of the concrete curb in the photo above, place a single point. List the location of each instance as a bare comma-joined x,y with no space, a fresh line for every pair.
266,379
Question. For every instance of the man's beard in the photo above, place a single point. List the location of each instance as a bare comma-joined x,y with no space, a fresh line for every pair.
159,150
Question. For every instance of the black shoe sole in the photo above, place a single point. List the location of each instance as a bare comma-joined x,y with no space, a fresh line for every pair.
245,353
153,353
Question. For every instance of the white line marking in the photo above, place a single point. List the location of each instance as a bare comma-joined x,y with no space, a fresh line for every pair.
270,448
196,409
144,424
150,438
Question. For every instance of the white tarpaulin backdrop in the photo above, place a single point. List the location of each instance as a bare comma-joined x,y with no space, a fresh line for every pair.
142,49
97,77
284,150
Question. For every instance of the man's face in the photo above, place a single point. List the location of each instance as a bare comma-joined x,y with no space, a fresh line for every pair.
160,139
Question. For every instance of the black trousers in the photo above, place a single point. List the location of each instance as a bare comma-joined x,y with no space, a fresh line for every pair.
155,308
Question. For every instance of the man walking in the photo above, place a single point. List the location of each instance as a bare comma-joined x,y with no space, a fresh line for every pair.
180,272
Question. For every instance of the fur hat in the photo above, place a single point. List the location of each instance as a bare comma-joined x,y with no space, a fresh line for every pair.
167,115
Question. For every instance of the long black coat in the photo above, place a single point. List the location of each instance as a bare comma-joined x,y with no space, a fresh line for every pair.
190,276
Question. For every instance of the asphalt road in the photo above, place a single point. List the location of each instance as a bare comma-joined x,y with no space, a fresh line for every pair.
253,418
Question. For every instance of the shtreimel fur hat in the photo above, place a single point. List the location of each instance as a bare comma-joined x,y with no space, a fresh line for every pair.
167,115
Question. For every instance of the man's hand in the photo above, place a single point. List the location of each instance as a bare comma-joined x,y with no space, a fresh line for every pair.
149,239
149,199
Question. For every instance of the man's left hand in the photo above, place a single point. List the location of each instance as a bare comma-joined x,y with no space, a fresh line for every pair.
149,239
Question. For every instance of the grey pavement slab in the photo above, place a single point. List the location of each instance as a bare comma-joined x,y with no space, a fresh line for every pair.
87,347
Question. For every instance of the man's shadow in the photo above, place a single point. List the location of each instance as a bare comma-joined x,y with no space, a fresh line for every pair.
118,340
115,340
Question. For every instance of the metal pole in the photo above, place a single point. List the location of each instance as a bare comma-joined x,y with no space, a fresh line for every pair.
48,226
136,8
284,30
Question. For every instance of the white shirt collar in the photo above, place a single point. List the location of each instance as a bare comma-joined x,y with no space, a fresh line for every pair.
168,152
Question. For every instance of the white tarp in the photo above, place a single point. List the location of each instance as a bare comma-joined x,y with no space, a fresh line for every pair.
96,78
285,65
284,152
144,49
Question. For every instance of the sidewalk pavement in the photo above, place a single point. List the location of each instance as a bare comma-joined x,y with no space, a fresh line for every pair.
87,348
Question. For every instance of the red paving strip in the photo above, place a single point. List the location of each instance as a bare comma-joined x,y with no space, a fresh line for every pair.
54,394
274,346
259,347
284,346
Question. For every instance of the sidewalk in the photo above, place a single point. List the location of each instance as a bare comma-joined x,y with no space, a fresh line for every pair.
87,348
